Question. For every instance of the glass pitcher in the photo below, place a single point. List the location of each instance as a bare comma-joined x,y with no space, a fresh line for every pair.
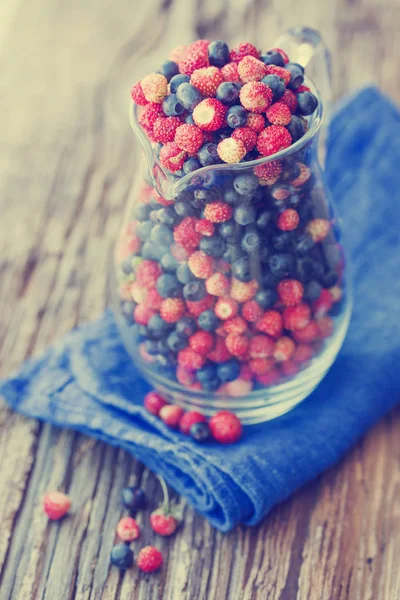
274,304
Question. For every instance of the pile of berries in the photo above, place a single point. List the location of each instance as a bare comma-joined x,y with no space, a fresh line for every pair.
231,286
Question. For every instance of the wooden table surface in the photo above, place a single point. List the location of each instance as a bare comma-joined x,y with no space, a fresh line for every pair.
67,159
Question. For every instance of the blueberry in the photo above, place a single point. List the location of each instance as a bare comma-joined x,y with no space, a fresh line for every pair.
263,219
303,244
157,327
162,347
141,212
296,75
176,342
312,290
230,231
276,84
229,370
228,92
169,262
281,265
207,373
329,279
264,252
176,81
152,251
151,347
186,326
232,253
218,53
198,203
241,269
139,331
126,265
194,291
213,246
189,120
143,230
190,165
308,269
167,216
331,255
171,106
161,234
184,274
291,169
169,69
208,321
244,215
184,209
188,96
208,154
168,286
236,116
282,240
245,185
251,240
207,194
200,432
296,128
231,197
306,103
133,498
273,58
211,385
266,298
127,310
121,556
269,280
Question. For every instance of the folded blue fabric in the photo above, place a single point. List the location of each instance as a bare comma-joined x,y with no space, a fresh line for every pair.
87,380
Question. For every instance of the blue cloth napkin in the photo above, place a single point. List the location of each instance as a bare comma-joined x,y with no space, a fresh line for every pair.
87,381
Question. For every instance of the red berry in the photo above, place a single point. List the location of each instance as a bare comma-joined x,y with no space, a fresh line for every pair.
142,314
172,309
288,220
207,80
270,323
284,348
153,402
303,353
199,46
220,353
149,559
309,333
148,116
189,137
238,387
217,212
242,292
154,300
184,376
171,414
256,96
199,306
256,122
127,529
252,311
282,53
186,235
261,366
243,49
189,419
289,368
162,523
290,99
189,359
225,427
202,342
226,308
269,172
192,61
178,53
290,291
305,174
318,229
164,129
204,227
325,327
155,87
261,346
246,135
273,139
172,157
270,378
323,304
147,272
296,317
236,325
237,345
279,114
231,150
280,72
137,94
56,505
209,114
218,284
230,72
201,264
251,69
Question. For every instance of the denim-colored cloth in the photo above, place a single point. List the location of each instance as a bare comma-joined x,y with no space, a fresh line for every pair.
87,381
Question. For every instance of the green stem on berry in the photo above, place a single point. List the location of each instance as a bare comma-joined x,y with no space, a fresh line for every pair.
165,504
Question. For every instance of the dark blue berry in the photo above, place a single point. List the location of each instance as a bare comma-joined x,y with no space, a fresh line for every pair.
207,373
208,195
276,84
331,255
250,241
161,234
151,347
291,169
232,253
306,103
218,53
231,197
296,75
189,120
208,154
269,281
157,327
296,128
228,92
176,342
282,240
162,347
143,229
169,69
188,96
308,269
263,219
184,274
236,116
194,291
200,432
184,209
121,556
213,246
176,81
230,231
171,106
273,58
264,252
266,298
186,326
168,286
133,498
167,216
329,279
141,211
241,269
126,265
190,165
281,265
152,251
303,244
169,262
312,291
211,385
244,215
229,370
246,184
208,321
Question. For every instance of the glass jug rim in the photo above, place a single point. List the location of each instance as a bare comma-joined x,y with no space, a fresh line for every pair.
179,184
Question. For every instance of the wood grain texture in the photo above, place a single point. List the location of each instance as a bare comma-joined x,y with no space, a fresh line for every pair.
67,160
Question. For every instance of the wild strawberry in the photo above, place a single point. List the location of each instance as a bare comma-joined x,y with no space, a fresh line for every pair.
186,235
218,284
162,523
237,344
283,54
288,220
261,346
305,174
279,114
261,366
256,96
201,342
137,95
303,353
242,292
271,378
230,72
279,71
323,304
172,157
318,229
172,309
256,122
142,314
153,299
290,291
231,150
201,264
273,139
236,325
217,212
226,308
184,376
245,373
290,99
178,53
153,402
128,529
243,49
220,353
147,273
309,333
325,327
189,359
209,114
251,69
164,129
252,311
189,137
284,348
270,171
149,559
225,427
199,46
56,505
171,414
270,323
154,87
246,135
296,317
204,227
199,306
238,387
189,419
192,61
148,116
207,80
289,368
